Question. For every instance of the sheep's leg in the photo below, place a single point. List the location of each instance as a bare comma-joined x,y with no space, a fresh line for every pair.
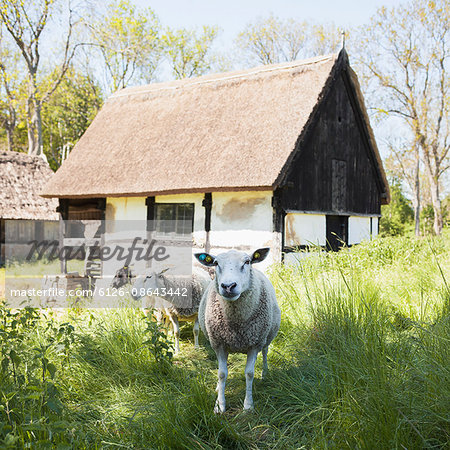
249,375
196,332
222,357
265,369
176,332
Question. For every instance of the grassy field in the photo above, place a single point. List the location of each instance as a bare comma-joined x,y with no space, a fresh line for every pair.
362,360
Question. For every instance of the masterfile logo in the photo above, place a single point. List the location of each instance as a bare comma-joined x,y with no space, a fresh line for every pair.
89,263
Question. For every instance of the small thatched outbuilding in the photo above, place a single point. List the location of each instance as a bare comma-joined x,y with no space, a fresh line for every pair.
280,156
22,178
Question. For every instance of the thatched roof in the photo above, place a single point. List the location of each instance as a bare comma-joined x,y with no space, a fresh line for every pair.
22,178
229,131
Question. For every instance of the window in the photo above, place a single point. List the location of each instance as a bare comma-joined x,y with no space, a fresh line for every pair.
174,218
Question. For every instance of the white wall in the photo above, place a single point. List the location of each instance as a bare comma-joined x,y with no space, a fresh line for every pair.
358,229
305,229
241,220
134,208
126,208
118,210
244,221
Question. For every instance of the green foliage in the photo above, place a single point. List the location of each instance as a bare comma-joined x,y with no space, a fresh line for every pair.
68,113
38,353
446,211
128,40
361,361
11,80
157,342
402,57
398,216
427,216
25,22
365,325
189,52
34,350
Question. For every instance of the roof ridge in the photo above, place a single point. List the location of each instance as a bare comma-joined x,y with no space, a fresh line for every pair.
214,78
15,155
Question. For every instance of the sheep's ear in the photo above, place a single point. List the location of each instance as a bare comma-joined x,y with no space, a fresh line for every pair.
260,254
206,259
163,271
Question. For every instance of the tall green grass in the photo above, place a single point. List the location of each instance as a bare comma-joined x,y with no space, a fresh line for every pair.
362,360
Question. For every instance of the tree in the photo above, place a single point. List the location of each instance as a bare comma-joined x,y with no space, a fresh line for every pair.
325,38
68,113
128,40
404,162
9,90
273,40
398,215
189,52
25,21
405,54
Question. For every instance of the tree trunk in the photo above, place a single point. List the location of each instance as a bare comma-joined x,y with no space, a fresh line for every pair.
40,141
10,137
10,127
34,125
436,200
433,178
34,119
416,195
32,144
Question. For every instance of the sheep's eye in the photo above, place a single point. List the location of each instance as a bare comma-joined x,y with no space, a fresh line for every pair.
215,263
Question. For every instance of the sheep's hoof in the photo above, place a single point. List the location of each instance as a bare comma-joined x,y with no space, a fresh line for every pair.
218,409
248,406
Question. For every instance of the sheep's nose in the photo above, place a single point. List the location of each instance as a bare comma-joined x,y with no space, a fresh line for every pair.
228,287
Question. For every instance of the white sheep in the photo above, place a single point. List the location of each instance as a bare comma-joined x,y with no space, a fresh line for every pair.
238,314
176,297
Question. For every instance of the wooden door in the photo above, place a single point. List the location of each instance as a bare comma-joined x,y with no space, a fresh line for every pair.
337,232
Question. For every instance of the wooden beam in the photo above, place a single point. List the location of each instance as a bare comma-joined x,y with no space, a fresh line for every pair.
207,204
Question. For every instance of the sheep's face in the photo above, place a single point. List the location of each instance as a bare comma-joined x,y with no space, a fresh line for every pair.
147,283
123,276
233,270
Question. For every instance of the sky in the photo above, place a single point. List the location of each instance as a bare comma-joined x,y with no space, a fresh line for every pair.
233,15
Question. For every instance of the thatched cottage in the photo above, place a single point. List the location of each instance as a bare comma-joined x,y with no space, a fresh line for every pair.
280,155
22,178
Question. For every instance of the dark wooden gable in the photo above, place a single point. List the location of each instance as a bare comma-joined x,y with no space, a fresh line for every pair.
334,169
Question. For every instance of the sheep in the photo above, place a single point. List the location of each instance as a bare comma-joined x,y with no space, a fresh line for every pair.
178,298
122,277
238,313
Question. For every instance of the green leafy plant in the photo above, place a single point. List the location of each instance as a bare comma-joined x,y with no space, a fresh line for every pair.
160,347
31,403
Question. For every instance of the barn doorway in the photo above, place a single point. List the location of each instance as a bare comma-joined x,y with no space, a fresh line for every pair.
337,232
